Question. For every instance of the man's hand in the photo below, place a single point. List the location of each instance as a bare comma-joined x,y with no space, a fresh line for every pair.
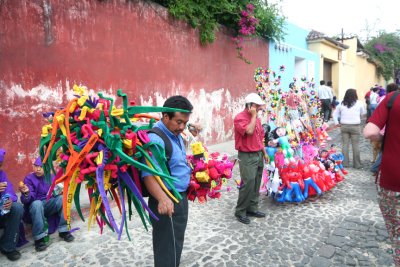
7,205
253,111
23,189
166,206
3,186
266,158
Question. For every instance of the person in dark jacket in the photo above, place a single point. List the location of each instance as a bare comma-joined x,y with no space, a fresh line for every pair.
33,195
10,215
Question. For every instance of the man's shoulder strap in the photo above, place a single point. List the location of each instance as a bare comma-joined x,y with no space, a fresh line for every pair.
392,99
164,137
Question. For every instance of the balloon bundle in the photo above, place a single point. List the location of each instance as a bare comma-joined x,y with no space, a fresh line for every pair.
210,173
104,147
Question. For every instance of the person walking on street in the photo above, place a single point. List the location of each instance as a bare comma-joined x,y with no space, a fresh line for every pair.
367,102
350,112
387,115
169,231
249,136
373,100
10,215
333,104
325,95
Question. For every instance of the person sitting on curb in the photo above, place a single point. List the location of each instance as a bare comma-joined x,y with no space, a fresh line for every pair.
33,196
10,215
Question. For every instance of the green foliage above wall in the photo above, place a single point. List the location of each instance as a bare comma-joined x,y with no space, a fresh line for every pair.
385,50
206,15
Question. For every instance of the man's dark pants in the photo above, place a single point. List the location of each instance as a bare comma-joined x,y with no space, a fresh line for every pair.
169,233
326,108
10,222
251,168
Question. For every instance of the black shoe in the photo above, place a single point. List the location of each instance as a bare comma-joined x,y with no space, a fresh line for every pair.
243,219
256,214
40,245
66,236
11,255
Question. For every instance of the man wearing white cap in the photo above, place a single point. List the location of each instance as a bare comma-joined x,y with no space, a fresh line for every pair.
249,136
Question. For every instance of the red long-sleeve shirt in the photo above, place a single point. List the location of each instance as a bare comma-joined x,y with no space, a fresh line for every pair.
245,142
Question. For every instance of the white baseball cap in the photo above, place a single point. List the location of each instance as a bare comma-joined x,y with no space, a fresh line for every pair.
254,98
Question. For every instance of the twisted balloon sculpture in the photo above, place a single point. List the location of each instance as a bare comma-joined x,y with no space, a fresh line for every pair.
105,148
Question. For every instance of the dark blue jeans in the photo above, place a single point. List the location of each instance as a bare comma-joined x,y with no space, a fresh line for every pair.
326,108
10,222
41,208
377,163
169,233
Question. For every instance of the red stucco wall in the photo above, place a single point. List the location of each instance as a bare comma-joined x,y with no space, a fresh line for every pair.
48,46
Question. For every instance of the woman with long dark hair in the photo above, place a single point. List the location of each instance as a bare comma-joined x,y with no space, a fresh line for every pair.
349,113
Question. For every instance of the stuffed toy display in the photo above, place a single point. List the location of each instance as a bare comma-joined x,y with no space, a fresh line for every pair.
297,140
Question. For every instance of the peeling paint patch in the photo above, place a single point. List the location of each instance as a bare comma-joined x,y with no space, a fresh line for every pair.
40,93
20,157
33,155
214,111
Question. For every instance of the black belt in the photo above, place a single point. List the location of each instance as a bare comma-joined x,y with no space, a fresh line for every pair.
248,152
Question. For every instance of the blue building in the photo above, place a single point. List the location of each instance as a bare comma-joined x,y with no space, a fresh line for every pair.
293,53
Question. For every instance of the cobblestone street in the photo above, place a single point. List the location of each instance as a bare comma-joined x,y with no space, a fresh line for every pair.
344,227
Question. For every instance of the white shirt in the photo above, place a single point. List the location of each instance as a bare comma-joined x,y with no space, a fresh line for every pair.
325,92
373,98
349,115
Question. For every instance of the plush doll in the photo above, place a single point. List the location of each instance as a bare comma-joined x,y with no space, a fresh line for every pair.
271,151
270,182
323,155
193,187
314,167
274,182
326,174
270,147
337,157
224,167
331,167
281,138
264,181
322,135
309,152
292,184
212,170
197,149
309,172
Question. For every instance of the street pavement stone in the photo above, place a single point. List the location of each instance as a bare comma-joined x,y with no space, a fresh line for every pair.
343,227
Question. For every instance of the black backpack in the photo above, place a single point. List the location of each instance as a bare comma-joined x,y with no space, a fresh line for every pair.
168,154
